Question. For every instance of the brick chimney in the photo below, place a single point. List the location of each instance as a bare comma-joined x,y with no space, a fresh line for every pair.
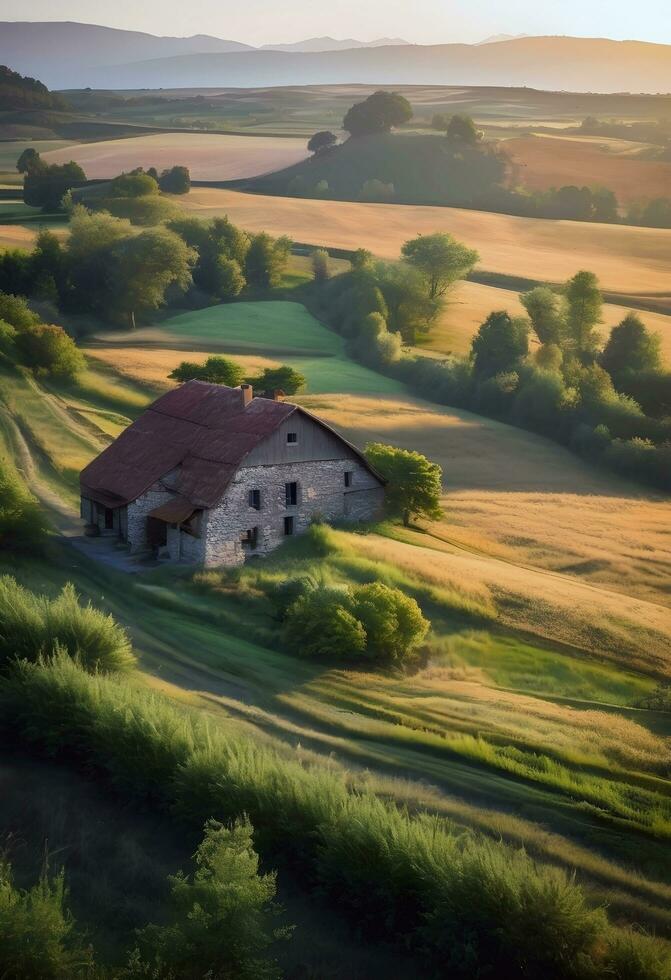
247,394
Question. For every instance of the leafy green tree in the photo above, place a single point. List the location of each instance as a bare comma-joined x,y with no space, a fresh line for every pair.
30,162
226,278
266,261
440,121
414,483
361,260
462,129
37,931
604,205
46,188
215,370
49,350
220,915
47,266
194,231
500,344
585,302
544,309
320,265
320,623
144,266
133,185
15,311
176,180
393,622
226,238
440,259
409,309
283,378
631,348
147,211
322,141
379,113
574,203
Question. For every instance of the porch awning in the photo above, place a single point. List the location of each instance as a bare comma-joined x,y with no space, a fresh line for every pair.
173,511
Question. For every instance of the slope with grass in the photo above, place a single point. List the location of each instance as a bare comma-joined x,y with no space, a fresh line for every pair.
626,259
276,329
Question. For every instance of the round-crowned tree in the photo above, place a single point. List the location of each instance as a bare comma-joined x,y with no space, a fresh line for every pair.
322,141
379,113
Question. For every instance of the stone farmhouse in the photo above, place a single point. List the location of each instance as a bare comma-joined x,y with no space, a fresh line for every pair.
211,475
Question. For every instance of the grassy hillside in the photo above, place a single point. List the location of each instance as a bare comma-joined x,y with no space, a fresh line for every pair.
415,169
278,330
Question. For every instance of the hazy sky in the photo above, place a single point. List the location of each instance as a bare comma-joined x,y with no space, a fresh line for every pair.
421,21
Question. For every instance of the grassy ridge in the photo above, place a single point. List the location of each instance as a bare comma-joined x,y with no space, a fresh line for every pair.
457,899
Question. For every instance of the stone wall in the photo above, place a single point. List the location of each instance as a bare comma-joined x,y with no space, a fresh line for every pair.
321,493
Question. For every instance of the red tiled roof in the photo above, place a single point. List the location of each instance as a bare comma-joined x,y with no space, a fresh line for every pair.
204,429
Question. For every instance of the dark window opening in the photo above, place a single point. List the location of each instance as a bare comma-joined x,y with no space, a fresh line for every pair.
348,478
109,519
291,494
255,499
288,525
292,437
249,537
192,524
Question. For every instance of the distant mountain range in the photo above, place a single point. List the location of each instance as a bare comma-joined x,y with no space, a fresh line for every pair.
332,44
72,55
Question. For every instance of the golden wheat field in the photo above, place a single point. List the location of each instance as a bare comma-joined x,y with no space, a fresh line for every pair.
208,156
519,498
470,303
626,259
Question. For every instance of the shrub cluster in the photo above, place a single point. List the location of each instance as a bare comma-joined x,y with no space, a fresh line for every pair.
32,626
45,348
464,905
372,622
23,529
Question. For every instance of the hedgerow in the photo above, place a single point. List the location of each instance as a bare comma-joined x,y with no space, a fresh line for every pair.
465,906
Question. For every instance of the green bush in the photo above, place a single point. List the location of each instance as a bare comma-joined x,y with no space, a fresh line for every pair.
49,350
216,370
133,185
33,625
151,209
451,896
393,622
23,529
37,935
320,623
220,915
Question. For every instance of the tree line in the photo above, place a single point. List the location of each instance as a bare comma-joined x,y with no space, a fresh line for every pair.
107,269
546,371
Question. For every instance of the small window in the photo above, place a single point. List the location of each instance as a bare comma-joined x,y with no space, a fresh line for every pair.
255,499
288,525
348,478
292,438
291,494
249,538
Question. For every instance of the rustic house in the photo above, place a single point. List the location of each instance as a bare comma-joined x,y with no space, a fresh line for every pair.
211,474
